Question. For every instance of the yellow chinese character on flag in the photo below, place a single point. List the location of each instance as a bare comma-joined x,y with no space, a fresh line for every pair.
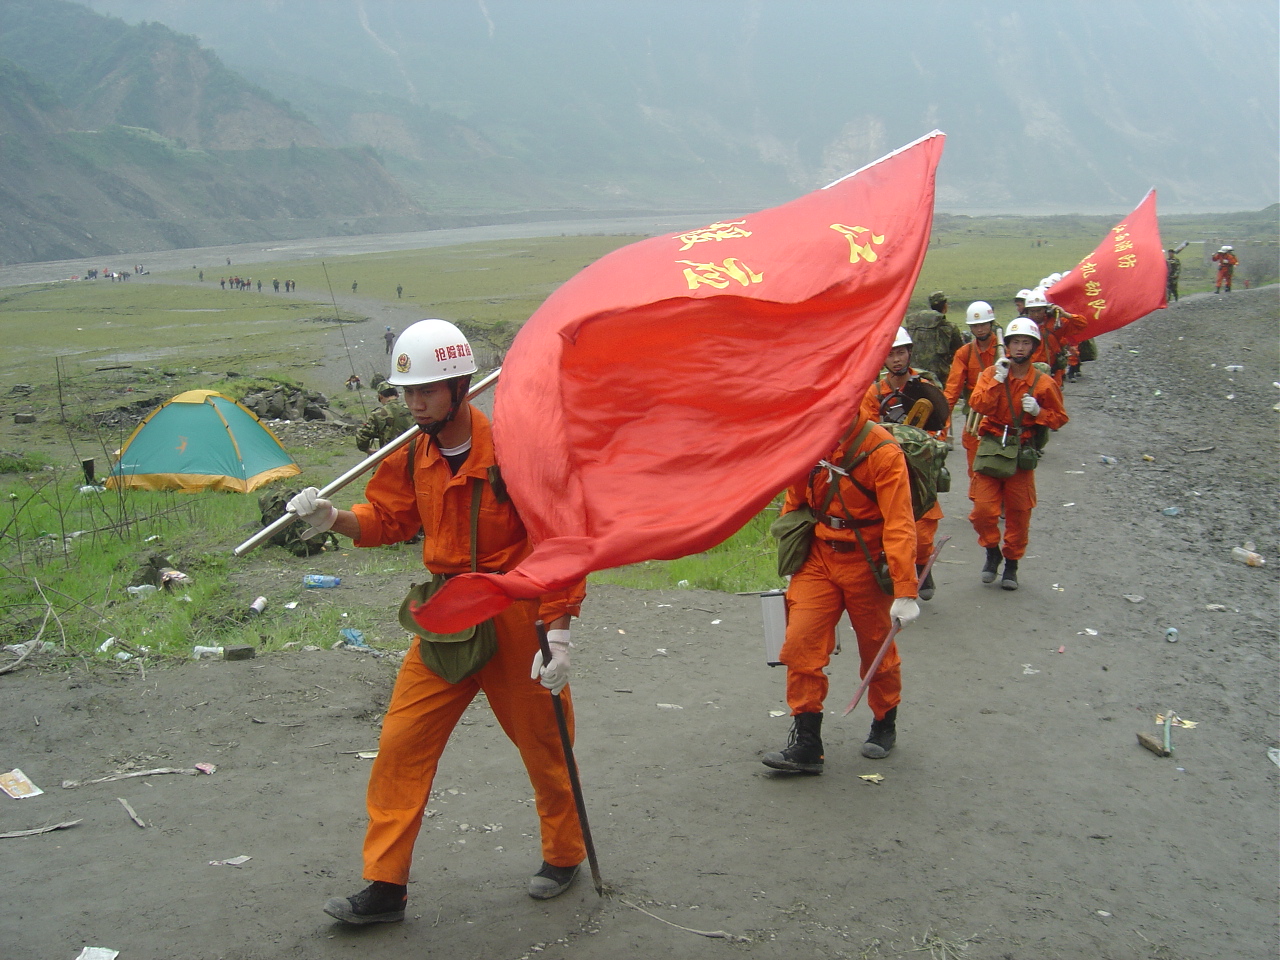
1124,245
716,231
1092,288
858,245
1098,306
1088,269
1127,261
719,275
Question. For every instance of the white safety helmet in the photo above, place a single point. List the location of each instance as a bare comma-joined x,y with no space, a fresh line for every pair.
903,339
1022,295
979,312
1053,278
1021,325
1226,249
429,351
1036,299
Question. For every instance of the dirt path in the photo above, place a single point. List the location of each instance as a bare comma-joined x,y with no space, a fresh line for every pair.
1018,816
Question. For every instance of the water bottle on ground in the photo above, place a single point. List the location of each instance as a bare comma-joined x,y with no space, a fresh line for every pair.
320,580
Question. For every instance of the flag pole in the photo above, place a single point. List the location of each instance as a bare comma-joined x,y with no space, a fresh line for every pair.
579,801
363,467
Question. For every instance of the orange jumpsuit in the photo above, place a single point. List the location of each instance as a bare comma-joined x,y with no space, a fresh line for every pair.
425,708
967,365
1053,337
927,525
836,576
1016,496
1227,263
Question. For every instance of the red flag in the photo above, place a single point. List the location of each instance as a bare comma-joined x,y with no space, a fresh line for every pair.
1123,280
662,396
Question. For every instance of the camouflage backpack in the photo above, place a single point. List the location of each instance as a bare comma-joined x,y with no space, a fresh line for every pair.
926,465
272,505
930,342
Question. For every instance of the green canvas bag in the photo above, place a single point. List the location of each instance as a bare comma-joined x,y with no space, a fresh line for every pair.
452,656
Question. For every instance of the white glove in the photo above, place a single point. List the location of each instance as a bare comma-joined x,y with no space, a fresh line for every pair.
555,674
313,510
1002,369
1030,405
904,610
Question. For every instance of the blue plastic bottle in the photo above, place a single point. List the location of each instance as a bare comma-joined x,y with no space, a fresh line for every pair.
320,580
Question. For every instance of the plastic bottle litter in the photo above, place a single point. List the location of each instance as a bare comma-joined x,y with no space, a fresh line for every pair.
1247,557
257,606
143,590
1234,367
320,580
1172,511
1171,634
206,653
1109,460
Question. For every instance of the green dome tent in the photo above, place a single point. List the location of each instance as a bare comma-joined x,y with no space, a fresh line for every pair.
201,440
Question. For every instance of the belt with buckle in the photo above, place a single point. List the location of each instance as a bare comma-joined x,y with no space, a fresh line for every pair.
843,523
842,546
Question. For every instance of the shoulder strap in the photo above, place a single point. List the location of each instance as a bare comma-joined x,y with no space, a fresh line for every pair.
477,493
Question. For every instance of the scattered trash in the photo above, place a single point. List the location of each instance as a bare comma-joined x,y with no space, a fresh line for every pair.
1071,504
1109,460
1231,396
621,631
38,830
872,777
41,646
310,648
206,653
1087,632
170,576
1274,754
660,652
714,622
92,488
106,644
366,754
186,771
97,953
1234,367
1158,393
1215,607
777,713
1172,511
18,785
1247,556
233,862
320,580
683,583
1134,597
133,814
1149,458
1154,745
257,606
670,706
1062,649
1171,634
1058,588
1103,913
354,637
1027,670
1081,472
143,589
291,605
1177,721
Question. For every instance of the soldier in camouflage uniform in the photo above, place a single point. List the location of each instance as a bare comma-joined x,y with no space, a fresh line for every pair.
935,338
387,422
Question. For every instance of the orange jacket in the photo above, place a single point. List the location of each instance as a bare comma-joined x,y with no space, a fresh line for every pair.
967,365
891,526
1053,336
991,399
439,504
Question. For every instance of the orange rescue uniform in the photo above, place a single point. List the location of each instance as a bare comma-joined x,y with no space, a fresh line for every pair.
967,365
926,526
1053,340
836,576
425,708
1016,496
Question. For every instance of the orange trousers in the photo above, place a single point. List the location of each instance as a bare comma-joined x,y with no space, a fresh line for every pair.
970,448
423,712
926,529
1015,497
826,586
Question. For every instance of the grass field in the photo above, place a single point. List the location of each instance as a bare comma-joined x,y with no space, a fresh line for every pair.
86,346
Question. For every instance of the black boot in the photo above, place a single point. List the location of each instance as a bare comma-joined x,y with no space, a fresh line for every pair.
927,587
992,565
883,735
803,752
379,902
1009,581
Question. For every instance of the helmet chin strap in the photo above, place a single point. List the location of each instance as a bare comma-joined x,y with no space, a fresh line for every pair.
458,388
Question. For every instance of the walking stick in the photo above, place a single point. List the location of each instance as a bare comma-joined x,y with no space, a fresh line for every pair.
893,632
574,782
364,466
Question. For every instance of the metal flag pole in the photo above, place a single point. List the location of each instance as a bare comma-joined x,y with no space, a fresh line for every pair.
364,466
578,801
